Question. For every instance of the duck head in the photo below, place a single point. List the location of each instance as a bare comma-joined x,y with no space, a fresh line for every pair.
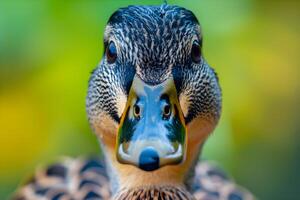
153,99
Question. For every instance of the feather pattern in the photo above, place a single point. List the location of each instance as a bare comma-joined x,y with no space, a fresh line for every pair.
80,179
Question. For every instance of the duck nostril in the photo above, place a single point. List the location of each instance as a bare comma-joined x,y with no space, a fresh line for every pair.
166,111
137,111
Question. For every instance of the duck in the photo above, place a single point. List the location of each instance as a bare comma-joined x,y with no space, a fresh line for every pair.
152,102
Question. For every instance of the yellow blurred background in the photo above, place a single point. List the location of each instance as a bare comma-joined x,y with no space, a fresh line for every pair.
48,49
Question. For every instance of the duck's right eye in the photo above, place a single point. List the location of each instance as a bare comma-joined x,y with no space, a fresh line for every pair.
111,52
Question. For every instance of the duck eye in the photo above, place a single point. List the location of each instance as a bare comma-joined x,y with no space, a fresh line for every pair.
196,52
111,52
136,111
166,111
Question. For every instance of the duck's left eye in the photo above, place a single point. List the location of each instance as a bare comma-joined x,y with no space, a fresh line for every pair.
196,52
111,52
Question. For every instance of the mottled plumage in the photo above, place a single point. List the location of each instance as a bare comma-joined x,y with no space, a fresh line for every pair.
80,179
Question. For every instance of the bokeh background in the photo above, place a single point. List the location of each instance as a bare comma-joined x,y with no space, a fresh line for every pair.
48,49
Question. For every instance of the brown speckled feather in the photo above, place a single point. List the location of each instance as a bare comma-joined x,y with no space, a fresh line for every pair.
70,179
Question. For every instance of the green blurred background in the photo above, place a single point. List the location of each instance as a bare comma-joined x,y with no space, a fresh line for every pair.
48,49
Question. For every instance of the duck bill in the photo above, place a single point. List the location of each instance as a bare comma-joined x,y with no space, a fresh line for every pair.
152,131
